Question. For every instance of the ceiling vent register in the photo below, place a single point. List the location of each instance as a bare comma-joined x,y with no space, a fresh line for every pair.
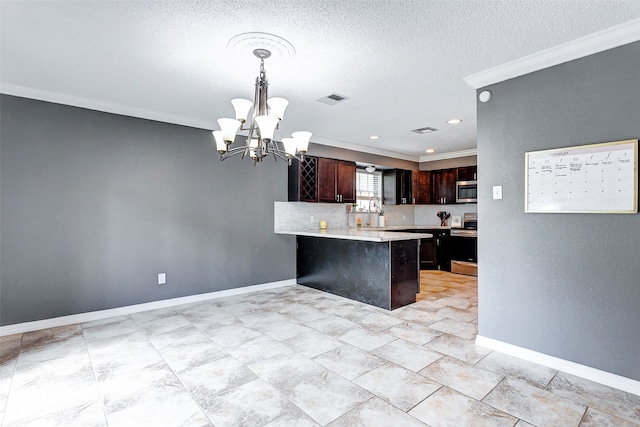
424,130
333,99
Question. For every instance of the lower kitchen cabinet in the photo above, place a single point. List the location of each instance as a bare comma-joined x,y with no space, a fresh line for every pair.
435,252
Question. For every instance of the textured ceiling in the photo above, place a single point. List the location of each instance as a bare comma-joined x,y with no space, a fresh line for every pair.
401,63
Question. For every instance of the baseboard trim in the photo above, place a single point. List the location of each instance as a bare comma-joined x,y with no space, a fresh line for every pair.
586,372
71,319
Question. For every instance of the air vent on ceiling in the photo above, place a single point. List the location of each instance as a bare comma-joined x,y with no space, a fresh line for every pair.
332,99
425,130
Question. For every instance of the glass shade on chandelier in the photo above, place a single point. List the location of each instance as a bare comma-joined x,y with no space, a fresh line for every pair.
261,124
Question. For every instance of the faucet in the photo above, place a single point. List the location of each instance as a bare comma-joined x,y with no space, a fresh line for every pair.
368,224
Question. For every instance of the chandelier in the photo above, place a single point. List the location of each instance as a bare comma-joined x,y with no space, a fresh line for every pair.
266,114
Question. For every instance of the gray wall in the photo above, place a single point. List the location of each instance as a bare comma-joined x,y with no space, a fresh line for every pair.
567,285
95,205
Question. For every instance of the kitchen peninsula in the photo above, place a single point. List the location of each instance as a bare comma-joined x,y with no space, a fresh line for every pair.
375,267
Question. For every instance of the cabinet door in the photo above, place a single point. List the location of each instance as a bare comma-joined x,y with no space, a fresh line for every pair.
421,187
346,181
429,254
327,180
468,173
443,186
406,187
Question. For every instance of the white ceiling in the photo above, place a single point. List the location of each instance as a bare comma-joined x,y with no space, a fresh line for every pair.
401,63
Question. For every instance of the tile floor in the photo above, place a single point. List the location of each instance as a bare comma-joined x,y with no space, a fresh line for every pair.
293,357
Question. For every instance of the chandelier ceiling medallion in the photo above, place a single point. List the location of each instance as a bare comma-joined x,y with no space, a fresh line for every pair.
266,113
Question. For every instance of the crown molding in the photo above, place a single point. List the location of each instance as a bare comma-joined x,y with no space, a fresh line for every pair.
363,149
91,104
610,38
452,155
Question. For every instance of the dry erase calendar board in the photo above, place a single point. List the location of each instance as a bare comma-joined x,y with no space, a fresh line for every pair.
597,178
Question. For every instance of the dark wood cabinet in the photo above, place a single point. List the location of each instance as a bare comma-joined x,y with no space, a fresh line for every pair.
303,186
443,186
396,185
468,173
421,186
434,251
336,181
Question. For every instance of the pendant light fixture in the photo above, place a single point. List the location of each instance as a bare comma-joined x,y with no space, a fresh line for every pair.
260,118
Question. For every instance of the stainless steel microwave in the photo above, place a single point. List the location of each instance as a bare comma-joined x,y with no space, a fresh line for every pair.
466,191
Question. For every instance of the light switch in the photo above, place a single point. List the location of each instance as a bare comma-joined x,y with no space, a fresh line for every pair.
162,278
497,192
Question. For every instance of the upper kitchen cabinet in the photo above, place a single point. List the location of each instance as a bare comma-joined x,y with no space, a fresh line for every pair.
303,184
336,181
421,183
468,173
396,184
443,186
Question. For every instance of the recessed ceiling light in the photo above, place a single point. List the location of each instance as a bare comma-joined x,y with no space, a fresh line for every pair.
431,150
454,121
374,137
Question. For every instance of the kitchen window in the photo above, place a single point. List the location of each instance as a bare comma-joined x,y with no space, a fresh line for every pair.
368,191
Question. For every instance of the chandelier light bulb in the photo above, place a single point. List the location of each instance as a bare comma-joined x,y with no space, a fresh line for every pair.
229,128
267,126
241,107
252,146
302,140
277,107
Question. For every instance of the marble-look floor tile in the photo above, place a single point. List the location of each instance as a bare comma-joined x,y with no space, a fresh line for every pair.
282,330
616,402
120,391
255,403
214,320
333,325
256,349
462,377
163,325
170,408
513,367
349,362
100,330
286,370
206,381
241,308
312,344
84,414
453,327
366,339
407,354
378,321
400,387
232,335
460,348
458,314
326,397
446,408
182,336
535,406
453,301
305,314
262,317
146,316
376,413
595,418
417,334
420,317
190,351
347,310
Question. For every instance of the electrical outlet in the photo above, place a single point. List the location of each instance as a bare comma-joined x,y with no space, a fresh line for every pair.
313,218
497,192
162,278
404,217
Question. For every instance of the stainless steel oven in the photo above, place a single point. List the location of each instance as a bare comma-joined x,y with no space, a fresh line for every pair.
466,191
463,246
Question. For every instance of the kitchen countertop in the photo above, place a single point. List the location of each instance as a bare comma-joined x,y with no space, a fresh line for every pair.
385,234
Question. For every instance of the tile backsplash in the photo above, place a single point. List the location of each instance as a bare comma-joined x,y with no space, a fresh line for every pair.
307,216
